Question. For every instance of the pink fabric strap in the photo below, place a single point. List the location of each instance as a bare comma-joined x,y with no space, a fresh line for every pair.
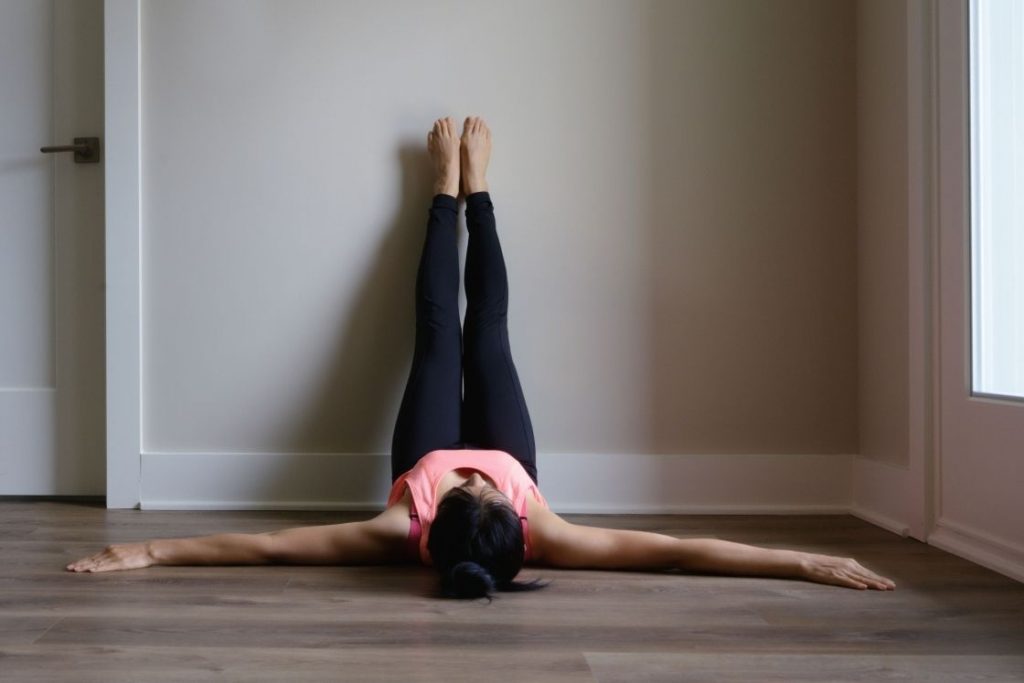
527,550
413,545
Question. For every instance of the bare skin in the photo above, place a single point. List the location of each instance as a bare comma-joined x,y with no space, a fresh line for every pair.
443,144
476,154
460,163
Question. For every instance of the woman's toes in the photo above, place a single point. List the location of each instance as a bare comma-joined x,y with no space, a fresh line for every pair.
443,145
476,152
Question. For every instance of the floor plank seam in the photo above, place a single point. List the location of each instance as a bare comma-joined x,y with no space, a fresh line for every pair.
48,629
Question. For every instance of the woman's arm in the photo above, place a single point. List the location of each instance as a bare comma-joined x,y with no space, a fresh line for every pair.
561,544
220,549
376,540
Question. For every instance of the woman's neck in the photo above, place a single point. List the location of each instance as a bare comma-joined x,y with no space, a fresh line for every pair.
458,478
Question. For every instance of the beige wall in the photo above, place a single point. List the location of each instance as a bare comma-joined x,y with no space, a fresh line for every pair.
882,210
753,229
675,185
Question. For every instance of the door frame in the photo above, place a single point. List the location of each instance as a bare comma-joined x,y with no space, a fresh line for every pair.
952,312
923,356
122,128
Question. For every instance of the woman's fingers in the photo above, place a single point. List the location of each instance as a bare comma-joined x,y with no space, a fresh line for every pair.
85,565
841,578
853,583
88,564
856,582
859,577
114,557
846,571
871,579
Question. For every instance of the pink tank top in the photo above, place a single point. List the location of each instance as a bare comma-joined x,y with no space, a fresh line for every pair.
505,471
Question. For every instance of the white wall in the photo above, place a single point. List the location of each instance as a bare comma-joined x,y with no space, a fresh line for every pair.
675,186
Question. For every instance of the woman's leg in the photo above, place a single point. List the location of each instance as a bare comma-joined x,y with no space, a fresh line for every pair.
494,409
429,418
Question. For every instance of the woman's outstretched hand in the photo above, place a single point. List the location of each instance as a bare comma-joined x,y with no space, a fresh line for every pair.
841,571
115,557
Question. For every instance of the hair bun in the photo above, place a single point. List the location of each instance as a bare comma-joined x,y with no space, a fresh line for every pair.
469,580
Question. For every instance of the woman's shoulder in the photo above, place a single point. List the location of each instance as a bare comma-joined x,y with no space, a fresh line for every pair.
537,507
541,522
394,521
403,504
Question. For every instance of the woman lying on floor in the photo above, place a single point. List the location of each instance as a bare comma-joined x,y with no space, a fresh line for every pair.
464,496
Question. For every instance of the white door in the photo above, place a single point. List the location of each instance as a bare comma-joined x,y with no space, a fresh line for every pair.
980,506
52,432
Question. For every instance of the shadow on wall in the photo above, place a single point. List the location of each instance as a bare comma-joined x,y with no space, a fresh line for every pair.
355,400
753,228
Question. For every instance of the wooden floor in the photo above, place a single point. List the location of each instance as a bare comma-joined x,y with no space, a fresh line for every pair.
947,620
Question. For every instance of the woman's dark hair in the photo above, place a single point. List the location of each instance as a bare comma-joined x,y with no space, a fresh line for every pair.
477,546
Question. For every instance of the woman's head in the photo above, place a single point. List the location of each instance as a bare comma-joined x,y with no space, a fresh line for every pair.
476,542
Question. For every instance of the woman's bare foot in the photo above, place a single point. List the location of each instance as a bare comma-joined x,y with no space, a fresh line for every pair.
443,144
476,153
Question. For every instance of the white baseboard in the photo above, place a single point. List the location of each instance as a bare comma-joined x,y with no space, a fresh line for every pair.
880,497
571,482
879,494
979,547
888,523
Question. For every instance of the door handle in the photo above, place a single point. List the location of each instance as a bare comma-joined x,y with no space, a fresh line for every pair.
87,150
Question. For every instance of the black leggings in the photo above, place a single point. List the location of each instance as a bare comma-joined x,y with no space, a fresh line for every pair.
434,414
